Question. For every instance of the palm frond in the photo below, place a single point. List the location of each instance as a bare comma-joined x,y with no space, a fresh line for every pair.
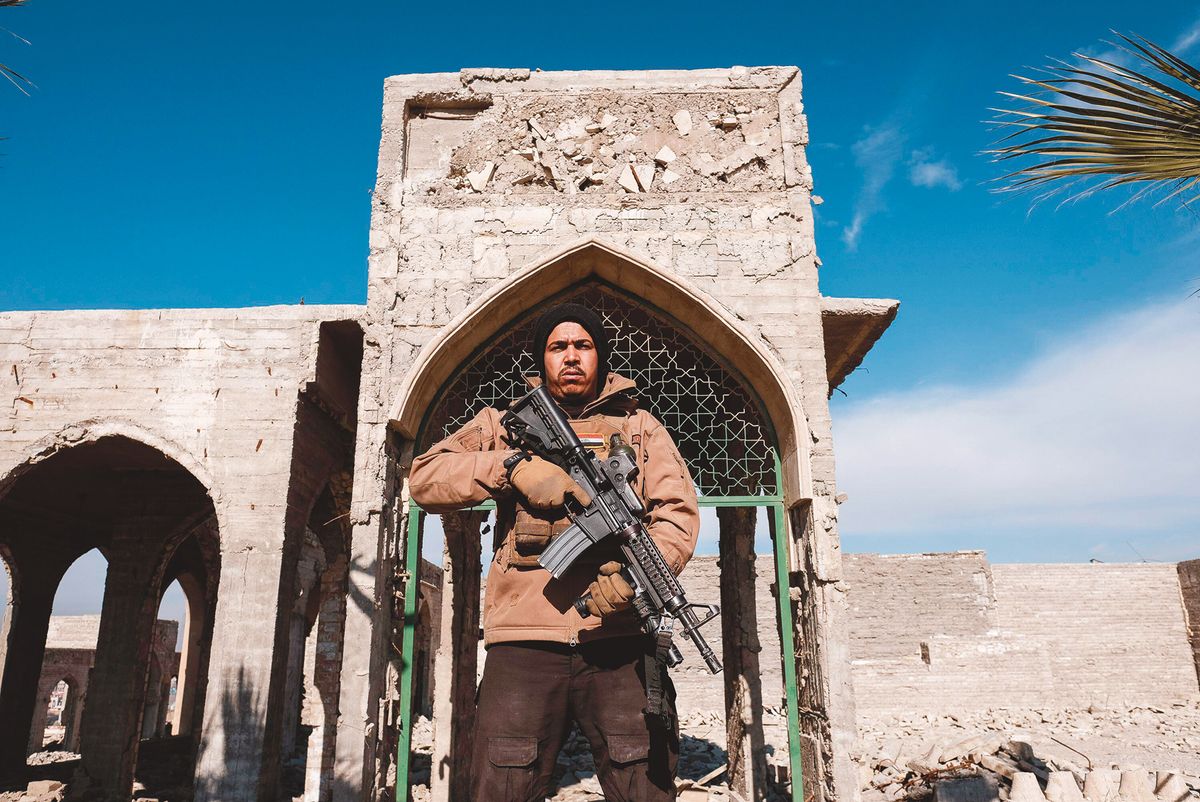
1100,124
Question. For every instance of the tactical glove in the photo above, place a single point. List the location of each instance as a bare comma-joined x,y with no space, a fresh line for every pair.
545,485
610,593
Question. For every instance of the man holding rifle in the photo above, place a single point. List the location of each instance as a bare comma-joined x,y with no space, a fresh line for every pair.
547,665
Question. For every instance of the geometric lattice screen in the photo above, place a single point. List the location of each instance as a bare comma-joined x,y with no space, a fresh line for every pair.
714,422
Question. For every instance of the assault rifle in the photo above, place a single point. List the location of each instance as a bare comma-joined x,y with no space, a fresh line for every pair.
536,424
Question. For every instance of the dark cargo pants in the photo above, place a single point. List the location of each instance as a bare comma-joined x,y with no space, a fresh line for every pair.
530,694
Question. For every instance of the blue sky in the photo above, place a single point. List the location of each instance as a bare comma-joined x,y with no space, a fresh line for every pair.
180,155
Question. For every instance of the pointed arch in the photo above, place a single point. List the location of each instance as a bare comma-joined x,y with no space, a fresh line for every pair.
89,431
709,322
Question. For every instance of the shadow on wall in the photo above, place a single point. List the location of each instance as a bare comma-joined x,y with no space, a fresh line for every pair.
243,706
241,703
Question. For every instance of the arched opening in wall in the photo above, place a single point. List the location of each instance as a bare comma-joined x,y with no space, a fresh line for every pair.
55,716
721,428
109,499
315,629
8,592
70,652
170,624
176,679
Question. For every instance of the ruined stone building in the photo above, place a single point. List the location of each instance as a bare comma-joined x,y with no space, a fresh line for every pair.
259,456
68,660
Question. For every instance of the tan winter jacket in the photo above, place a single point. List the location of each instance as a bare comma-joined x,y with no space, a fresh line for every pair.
523,602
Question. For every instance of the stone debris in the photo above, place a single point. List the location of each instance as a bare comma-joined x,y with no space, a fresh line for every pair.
665,155
1032,755
1135,787
645,176
604,122
627,180
1025,788
1101,785
1170,787
480,178
1062,787
683,122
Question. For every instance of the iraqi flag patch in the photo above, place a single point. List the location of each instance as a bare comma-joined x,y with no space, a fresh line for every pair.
592,440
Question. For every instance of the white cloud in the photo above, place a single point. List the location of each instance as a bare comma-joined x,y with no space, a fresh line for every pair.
1097,439
876,154
1186,40
923,171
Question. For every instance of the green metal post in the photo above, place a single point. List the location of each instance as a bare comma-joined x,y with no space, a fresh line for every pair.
787,638
412,590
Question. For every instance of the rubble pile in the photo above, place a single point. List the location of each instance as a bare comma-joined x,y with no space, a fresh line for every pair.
1126,753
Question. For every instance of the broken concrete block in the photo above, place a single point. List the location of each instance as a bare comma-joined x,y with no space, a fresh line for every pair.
1135,787
627,180
664,156
683,122
927,762
758,138
645,176
1170,787
537,129
729,122
1100,785
1061,787
1025,788
975,743
670,177
480,178
998,765
707,165
598,126
45,791
738,159
967,789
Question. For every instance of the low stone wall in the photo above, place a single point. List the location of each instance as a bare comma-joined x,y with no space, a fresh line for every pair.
940,632
949,632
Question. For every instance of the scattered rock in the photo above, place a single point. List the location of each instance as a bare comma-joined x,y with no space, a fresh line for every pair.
683,122
480,178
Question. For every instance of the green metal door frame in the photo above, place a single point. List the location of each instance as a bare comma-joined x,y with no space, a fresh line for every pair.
787,639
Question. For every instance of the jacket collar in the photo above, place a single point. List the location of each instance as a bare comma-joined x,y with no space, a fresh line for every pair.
617,393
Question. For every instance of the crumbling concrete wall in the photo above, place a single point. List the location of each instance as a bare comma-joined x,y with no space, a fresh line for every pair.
943,633
217,392
1189,585
701,174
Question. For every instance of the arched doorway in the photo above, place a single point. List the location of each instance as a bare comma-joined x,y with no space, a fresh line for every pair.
738,426
136,504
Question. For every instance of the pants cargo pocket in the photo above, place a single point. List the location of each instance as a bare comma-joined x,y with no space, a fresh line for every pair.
510,770
623,749
627,757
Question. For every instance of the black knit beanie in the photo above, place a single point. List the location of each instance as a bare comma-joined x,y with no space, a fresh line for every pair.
577,314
